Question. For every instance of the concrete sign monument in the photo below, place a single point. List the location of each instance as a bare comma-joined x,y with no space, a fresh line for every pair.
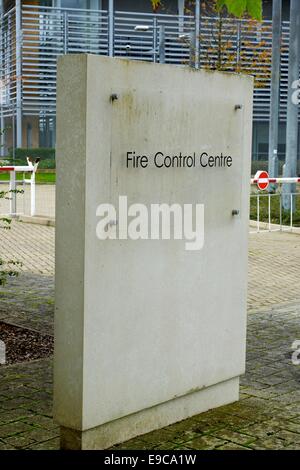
153,167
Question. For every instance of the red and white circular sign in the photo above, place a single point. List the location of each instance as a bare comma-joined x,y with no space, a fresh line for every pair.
261,177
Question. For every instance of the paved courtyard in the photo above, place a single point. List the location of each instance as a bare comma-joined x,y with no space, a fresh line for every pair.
266,417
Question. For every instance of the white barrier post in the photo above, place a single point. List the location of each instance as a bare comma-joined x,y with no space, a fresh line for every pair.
32,194
33,167
257,212
13,196
280,210
269,211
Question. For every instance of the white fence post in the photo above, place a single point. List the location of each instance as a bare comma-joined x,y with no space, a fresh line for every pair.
32,194
291,217
269,211
13,195
257,212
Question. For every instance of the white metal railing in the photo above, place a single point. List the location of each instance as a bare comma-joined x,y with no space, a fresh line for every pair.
267,214
273,217
49,32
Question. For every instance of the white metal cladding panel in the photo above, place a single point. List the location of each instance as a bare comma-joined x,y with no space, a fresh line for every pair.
143,45
284,68
8,63
47,34
50,32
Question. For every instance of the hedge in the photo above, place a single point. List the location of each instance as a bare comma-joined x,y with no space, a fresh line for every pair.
47,156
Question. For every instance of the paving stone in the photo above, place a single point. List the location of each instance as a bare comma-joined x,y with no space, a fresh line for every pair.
43,422
17,414
271,443
232,446
10,429
163,446
52,444
137,444
5,446
41,435
13,403
262,430
235,437
161,435
288,425
32,245
288,437
205,443
278,276
20,441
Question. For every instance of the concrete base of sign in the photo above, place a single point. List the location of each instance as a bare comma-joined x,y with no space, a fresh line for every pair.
123,429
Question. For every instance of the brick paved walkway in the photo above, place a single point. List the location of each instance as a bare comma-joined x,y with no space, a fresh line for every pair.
266,417
31,244
274,269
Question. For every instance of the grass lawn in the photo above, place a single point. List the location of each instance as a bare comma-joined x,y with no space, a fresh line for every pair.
40,178
275,209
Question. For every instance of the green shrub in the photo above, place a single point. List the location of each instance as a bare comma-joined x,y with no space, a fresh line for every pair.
47,156
47,164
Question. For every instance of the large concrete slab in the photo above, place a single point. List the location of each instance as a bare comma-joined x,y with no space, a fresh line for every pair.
146,328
